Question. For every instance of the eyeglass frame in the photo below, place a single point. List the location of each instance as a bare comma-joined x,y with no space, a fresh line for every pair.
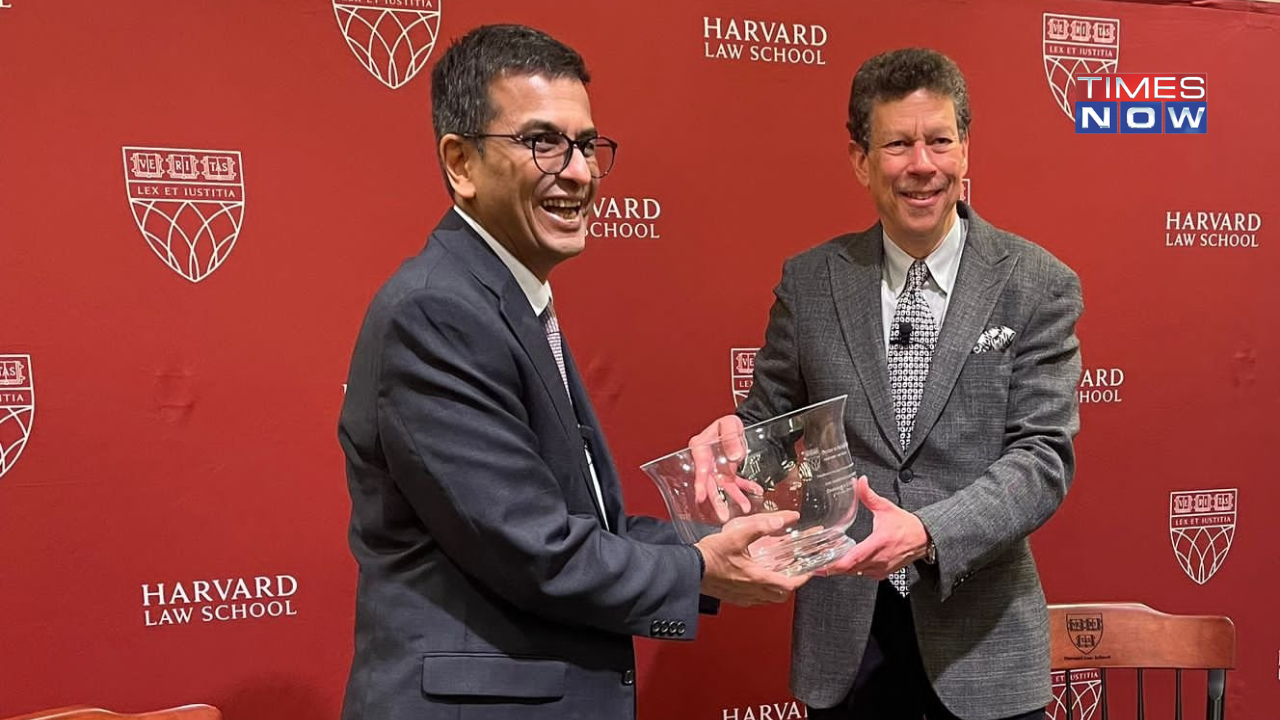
530,141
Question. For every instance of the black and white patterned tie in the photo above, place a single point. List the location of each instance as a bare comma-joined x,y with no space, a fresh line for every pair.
912,339
551,326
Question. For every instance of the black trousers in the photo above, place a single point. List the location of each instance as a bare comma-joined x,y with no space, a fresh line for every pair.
891,683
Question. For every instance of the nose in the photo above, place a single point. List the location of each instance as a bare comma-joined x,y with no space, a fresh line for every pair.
920,160
578,170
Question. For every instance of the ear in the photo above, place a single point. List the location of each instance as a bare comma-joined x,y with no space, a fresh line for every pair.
459,158
964,156
861,163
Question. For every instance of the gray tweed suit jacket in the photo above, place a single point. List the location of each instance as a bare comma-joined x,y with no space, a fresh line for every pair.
990,457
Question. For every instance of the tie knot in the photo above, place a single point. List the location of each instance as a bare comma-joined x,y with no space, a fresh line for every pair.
917,276
548,318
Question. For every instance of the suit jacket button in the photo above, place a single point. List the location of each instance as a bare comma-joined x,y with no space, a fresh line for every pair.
680,628
906,475
629,677
653,627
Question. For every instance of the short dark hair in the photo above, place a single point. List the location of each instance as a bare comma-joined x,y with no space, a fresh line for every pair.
896,74
461,77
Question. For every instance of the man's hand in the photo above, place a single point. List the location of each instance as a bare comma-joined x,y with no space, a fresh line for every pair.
897,539
732,575
716,484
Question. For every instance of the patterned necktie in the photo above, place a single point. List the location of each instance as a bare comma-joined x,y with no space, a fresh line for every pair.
912,338
551,326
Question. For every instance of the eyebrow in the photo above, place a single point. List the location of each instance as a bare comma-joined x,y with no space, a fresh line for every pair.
537,126
893,135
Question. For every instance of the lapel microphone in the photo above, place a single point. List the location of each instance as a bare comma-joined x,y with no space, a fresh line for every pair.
904,334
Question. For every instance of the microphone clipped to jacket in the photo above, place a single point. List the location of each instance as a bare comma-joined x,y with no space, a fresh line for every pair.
904,335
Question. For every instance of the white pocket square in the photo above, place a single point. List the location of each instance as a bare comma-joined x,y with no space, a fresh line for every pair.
994,339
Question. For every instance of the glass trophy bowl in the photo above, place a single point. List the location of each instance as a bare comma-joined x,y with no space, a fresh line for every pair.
798,461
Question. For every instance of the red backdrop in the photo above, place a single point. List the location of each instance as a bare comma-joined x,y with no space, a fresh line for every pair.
167,418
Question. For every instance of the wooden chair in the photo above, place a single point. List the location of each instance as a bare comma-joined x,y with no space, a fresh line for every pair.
1101,636
84,712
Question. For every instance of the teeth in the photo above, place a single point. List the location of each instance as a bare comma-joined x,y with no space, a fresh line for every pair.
563,207
562,203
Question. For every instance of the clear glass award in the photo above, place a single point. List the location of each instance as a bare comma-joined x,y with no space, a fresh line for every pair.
798,461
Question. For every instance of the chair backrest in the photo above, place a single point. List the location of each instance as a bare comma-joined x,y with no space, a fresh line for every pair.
1094,637
84,712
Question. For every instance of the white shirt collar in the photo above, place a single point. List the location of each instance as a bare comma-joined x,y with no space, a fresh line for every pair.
941,262
538,292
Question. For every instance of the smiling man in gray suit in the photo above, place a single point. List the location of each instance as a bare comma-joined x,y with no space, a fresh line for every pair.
500,577
956,344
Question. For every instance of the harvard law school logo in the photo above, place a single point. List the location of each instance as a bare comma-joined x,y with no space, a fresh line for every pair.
219,600
17,408
1075,45
1086,689
189,205
742,366
1085,631
392,38
1202,524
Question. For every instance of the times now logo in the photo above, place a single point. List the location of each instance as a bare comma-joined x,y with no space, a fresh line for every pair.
1136,103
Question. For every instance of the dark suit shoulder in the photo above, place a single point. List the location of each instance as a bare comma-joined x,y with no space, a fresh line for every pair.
433,296
439,276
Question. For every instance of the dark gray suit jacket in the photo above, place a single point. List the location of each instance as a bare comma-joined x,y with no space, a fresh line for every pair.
488,587
990,458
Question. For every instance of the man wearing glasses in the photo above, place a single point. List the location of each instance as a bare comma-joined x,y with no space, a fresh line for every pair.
499,574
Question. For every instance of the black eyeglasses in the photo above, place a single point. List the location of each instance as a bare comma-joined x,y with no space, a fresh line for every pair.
553,150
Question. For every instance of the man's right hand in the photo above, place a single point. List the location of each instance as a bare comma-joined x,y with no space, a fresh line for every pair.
732,575
716,486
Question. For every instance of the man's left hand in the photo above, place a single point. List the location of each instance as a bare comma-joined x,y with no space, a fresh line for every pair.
897,539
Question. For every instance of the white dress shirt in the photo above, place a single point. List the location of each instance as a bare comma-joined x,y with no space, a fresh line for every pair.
943,264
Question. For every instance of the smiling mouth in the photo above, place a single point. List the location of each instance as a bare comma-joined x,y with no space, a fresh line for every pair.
920,195
563,208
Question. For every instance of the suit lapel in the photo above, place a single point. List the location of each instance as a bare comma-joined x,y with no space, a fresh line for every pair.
513,304
606,474
455,234
984,269
533,338
856,274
